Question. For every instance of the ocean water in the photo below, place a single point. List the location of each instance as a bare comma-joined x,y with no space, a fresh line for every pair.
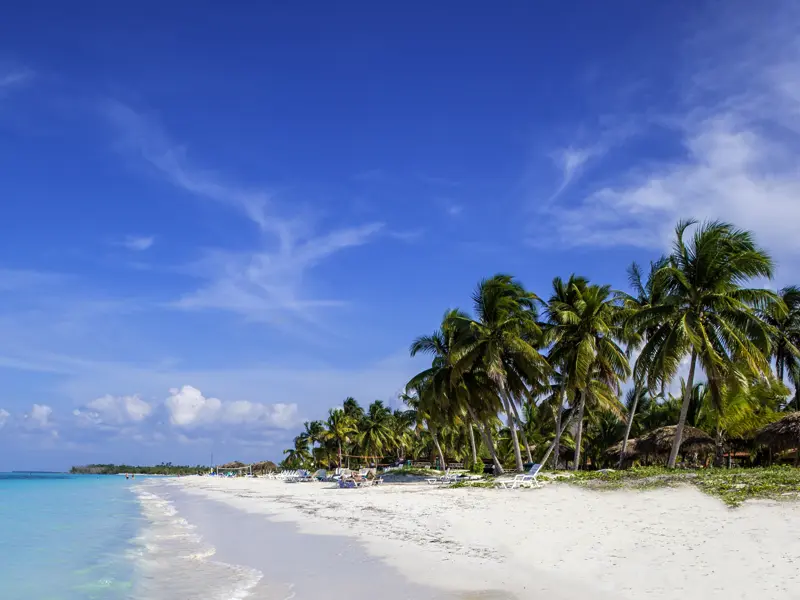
65,537
87,537
84,537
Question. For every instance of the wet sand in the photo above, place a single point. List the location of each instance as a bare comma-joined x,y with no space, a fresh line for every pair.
298,565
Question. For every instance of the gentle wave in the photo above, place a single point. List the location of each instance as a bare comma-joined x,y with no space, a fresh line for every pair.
173,561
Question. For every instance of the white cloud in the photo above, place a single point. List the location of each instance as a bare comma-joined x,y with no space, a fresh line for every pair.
115,410
4,416
740,134
39,416
188,408
265,284
138,243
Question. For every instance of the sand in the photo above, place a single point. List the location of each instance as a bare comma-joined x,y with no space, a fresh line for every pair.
556,542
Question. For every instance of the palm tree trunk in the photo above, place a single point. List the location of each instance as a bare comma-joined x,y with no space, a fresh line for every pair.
522,431
487,439
579,437
719,449
628,429
560,431
687,396
513,427
472,442
340,454
557,440
435,437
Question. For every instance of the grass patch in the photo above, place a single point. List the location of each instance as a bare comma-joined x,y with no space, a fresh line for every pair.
732,486
472,484
413,471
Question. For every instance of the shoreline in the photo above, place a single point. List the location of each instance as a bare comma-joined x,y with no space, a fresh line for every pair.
555,542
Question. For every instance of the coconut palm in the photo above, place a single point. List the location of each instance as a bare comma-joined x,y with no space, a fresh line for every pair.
783,317
742,410
645,294
340,427
352,408
445,391
299,455
707,313
421,418
375,430
501,342
585,325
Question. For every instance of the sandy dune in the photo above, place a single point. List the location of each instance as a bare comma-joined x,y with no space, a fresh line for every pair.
554,542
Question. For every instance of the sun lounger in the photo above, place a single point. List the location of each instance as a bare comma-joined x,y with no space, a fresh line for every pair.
529,479
445,479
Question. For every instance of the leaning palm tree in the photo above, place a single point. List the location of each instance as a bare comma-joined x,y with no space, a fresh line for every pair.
584,333
340,426
502,342
445,391
783,316
707,313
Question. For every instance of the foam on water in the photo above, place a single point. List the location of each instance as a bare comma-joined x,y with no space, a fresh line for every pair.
173,561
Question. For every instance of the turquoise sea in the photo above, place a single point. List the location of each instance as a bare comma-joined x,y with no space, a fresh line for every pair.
66,537
89,537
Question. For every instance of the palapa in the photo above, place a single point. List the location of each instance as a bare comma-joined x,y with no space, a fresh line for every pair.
631,449
783,434
659,441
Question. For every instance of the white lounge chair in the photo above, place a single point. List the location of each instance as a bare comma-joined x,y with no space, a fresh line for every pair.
443,480
529,479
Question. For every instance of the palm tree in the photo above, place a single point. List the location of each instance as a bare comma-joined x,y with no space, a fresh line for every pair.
401,423
783,317
502,343
375,430
584,333
444,391
707,313
352,409
419,415
299,455
645,295
339,427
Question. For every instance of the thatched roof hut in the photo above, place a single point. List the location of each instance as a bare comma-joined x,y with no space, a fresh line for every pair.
265,466
631,450
783,434
659,441
232,465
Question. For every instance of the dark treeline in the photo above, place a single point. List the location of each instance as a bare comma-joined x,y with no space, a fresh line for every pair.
162,469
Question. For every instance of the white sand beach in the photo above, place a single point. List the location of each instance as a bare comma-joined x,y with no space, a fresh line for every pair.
557,542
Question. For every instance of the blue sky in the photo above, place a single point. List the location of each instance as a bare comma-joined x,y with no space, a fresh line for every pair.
218,223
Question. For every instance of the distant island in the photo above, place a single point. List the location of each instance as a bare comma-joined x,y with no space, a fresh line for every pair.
162,469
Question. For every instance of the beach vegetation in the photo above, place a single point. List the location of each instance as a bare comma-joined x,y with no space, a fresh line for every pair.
687,368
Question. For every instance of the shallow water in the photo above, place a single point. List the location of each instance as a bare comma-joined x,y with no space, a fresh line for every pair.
66,537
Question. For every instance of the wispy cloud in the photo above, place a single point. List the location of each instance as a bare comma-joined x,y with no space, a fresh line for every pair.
739,129
14,78
12,280
266,284
138,243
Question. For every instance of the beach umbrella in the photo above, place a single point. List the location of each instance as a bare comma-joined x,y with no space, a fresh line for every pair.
783,434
